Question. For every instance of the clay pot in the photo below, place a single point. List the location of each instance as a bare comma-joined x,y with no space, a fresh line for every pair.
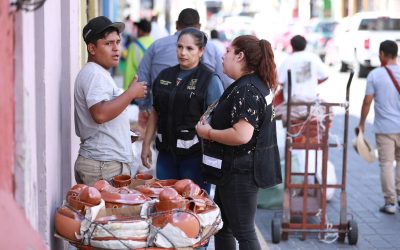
101,185
118,199
185,221
168,194
78,205
170,199
146,190
154,189
143,176
163,183
181,184
76,190
90,195
164,206
191,190
122,180
200,204
67,223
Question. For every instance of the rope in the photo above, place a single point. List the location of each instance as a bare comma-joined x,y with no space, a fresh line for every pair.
317,113
329,237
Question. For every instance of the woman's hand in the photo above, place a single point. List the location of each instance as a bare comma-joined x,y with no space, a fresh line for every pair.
146,156
203,128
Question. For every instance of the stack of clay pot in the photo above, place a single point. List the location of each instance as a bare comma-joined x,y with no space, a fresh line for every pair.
173,205
119,197
178,205
68,218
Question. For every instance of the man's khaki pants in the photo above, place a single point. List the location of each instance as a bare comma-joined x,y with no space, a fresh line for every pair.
88,171
389,151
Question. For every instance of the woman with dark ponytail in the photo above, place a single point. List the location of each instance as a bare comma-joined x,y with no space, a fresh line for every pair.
240,153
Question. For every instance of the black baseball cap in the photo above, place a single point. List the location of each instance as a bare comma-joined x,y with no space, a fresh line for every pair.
97,25
143,25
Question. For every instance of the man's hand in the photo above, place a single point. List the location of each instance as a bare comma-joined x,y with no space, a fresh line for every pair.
364,111
146,156
137,89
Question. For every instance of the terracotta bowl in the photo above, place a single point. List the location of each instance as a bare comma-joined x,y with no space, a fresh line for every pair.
146,190
164,206
122,180
144,176
67,223
90,195
163,183
118,199
181,184
168,194
191,190
185,221
200,204
75,190
101,185
169,200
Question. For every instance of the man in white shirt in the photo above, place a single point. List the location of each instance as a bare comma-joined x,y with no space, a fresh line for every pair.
307,71
101,121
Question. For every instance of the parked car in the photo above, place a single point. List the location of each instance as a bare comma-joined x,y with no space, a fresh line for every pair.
281,40
234,26
318,38
358,38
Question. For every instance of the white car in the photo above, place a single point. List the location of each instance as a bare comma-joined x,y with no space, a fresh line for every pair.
358,38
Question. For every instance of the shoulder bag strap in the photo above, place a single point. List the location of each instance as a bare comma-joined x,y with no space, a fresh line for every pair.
394,80
140,45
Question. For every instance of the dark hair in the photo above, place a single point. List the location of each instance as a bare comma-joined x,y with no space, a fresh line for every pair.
298,43
103,34
259,57
188,18
199,36
214,34
143,25
389,48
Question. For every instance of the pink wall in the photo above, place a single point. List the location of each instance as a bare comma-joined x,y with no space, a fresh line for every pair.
6,99
13,221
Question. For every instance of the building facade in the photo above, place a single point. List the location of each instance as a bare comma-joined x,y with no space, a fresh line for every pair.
41,55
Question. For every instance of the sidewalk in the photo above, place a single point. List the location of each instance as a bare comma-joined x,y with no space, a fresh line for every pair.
364,197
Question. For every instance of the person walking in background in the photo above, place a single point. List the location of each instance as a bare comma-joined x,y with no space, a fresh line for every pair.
240,146
381,87
215,39
161,55
126,38
137,49
307,71
100,118
157,31
181,95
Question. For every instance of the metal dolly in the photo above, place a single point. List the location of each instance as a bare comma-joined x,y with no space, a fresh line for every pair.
305,200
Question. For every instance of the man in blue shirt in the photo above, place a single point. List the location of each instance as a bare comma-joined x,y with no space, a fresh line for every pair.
162,54
382,89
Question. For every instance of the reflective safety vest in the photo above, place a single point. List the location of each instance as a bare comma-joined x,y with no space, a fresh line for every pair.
136,51
260,155
179,108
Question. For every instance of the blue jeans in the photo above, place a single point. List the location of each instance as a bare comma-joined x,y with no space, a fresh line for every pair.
237,200
170,166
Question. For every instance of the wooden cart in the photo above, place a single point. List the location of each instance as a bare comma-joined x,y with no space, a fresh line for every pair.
305,200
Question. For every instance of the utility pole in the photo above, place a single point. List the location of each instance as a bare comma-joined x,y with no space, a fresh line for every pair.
168,15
